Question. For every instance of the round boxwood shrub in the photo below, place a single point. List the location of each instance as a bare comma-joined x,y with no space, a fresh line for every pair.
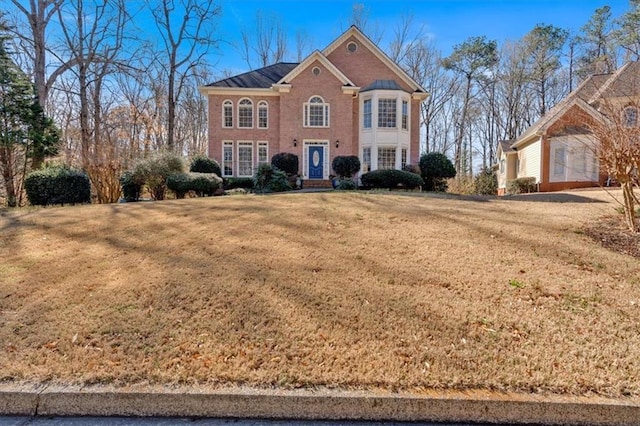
57,185
203,164
287,162
346,166
203,184
131,187
391,179
435,168
346,185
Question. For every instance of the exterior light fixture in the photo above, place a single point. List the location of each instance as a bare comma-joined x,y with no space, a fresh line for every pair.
337,143
295,142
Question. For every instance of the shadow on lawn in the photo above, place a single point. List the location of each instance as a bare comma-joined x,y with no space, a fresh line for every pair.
551,197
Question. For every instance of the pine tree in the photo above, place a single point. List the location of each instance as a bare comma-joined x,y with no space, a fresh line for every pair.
24,129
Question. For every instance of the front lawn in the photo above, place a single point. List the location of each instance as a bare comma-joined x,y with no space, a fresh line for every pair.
350,290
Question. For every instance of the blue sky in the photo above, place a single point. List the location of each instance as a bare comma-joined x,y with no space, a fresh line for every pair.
448,21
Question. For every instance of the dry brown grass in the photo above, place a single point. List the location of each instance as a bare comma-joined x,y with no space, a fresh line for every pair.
347,290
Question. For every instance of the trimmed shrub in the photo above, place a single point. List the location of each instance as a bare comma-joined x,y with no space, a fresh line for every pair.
270,179
131,188
346,185
57,185
286,162
234,183
203,184
486,182
346,166
435,168
203,164
522,185
155,170
391,179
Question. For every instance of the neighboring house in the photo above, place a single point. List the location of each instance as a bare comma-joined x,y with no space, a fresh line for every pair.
559,150
348,99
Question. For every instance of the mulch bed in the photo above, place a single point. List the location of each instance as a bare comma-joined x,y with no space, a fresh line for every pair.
611,233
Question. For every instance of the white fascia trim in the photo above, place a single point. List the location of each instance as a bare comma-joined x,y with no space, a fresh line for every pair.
237,91
281,88
317,56
355,32
350,90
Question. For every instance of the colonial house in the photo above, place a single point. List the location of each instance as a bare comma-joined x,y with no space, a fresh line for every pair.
348,99
558,150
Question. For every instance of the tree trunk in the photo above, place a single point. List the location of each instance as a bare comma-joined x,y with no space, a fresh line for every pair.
629,207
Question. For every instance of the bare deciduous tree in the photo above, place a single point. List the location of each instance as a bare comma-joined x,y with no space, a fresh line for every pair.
187,35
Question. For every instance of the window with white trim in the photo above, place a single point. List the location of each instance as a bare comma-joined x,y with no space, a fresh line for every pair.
560,161
227,159
366,114
245,113
403,158
316,112
387,113
263,153
263,115
386,158
631,116
227,114
245,159
405,115
502,165
366,160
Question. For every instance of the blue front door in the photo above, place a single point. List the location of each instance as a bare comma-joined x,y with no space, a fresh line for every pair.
316,161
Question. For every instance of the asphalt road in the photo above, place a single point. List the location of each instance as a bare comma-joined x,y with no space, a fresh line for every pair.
160,421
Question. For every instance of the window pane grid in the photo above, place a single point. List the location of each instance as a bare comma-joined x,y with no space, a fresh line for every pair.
227,160
262,117
316,113
405,115
263,153
366,160
367,114
245,159
386,158
228,115
403,158
245,114
386,113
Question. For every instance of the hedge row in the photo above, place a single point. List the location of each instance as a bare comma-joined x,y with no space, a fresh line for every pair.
391,179
57,185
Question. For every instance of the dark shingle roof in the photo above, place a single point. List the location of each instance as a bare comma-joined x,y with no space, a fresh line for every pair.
261,78
506,146
382,85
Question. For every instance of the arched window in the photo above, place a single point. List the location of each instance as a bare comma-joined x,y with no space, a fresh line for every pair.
263,115
316,113
631,116
245,113
227,114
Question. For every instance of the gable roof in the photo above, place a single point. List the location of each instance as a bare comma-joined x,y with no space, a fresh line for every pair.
261,78
624,82
316,56
355,32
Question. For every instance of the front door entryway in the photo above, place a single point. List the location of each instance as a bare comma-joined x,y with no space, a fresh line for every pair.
316,162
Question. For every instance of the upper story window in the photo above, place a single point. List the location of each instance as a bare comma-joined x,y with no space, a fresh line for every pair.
316,113
405,115
366,113
227,114
245,113
387,113
263,115
631,116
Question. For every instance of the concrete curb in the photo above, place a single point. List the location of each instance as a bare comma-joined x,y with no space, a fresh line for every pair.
247,403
